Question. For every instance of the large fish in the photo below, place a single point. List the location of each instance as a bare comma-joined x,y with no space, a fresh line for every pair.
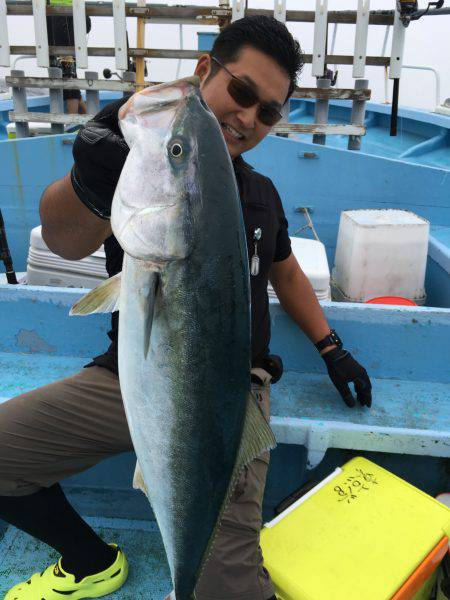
184,334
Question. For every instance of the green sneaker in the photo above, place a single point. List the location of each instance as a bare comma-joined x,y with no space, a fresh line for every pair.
54,583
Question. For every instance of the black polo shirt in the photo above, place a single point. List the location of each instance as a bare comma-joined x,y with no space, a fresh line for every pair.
99,153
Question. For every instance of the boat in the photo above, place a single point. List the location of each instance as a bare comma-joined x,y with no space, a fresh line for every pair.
404,348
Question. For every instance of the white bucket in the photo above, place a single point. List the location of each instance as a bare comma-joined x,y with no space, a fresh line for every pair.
381,253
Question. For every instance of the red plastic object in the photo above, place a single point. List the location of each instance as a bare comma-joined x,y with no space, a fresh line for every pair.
391,300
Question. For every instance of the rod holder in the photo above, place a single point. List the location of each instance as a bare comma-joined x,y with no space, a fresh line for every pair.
56,99
358,114
130,77
92,96
20,105
321,111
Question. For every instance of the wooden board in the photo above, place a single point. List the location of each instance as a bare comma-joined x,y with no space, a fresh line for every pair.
282,128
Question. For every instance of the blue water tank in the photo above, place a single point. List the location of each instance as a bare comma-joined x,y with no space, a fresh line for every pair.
206,40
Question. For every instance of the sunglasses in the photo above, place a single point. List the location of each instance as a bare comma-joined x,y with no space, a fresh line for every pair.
243,95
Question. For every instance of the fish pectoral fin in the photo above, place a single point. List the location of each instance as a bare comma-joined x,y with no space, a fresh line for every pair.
104,298
138,480
150,295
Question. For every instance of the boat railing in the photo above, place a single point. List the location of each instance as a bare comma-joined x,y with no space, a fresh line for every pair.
386,79
131,61
437,79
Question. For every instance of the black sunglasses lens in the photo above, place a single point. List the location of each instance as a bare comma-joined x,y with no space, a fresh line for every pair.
269,116
242,94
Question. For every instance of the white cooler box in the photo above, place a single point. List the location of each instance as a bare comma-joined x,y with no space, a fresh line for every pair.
312,258
46,268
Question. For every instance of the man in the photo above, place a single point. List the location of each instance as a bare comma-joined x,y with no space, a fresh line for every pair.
72,424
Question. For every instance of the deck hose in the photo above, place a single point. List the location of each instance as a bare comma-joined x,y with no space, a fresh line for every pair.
5,254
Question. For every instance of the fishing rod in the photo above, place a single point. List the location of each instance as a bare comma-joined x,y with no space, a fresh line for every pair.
5,254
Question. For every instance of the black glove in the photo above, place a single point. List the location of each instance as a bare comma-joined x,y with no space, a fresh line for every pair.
99,153
343,368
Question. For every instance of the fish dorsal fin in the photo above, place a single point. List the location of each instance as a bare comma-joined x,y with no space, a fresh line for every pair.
104,298
257,437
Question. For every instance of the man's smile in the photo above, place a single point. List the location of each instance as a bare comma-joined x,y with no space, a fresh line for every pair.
237,135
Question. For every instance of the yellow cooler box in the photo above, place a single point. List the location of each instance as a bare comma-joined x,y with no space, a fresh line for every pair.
361,534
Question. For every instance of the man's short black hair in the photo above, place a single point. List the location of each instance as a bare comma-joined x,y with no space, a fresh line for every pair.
266,34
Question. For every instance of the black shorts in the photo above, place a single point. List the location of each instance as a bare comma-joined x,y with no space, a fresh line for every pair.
71,94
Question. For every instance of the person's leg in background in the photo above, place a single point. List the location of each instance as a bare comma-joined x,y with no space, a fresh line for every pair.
73,101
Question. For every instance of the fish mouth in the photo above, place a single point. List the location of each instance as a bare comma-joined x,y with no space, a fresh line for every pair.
160,97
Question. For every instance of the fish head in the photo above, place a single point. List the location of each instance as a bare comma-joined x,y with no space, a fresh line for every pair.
154,203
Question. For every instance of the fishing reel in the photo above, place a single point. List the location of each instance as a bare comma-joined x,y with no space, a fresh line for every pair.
409,10
107,74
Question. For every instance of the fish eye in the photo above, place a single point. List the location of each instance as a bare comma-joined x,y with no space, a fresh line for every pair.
176,150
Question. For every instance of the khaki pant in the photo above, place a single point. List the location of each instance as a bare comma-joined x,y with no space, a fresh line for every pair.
68,426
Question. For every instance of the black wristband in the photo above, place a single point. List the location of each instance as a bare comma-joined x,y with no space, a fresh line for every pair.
332,339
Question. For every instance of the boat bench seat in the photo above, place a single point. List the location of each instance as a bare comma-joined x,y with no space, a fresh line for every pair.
306,408
406,417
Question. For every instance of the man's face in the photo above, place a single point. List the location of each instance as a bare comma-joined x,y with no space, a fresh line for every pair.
241,127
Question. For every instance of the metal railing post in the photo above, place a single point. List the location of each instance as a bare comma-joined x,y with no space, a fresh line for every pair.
436,75
358,114
20,105
92,96
56,99
321,111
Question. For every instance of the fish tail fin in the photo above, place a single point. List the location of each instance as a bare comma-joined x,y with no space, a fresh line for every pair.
102,299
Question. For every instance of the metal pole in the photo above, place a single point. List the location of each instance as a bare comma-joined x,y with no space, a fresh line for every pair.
321,112
20,105
386,74
358,114
181,48
128,76
140,42
92,96
56,99
436,75
333,42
